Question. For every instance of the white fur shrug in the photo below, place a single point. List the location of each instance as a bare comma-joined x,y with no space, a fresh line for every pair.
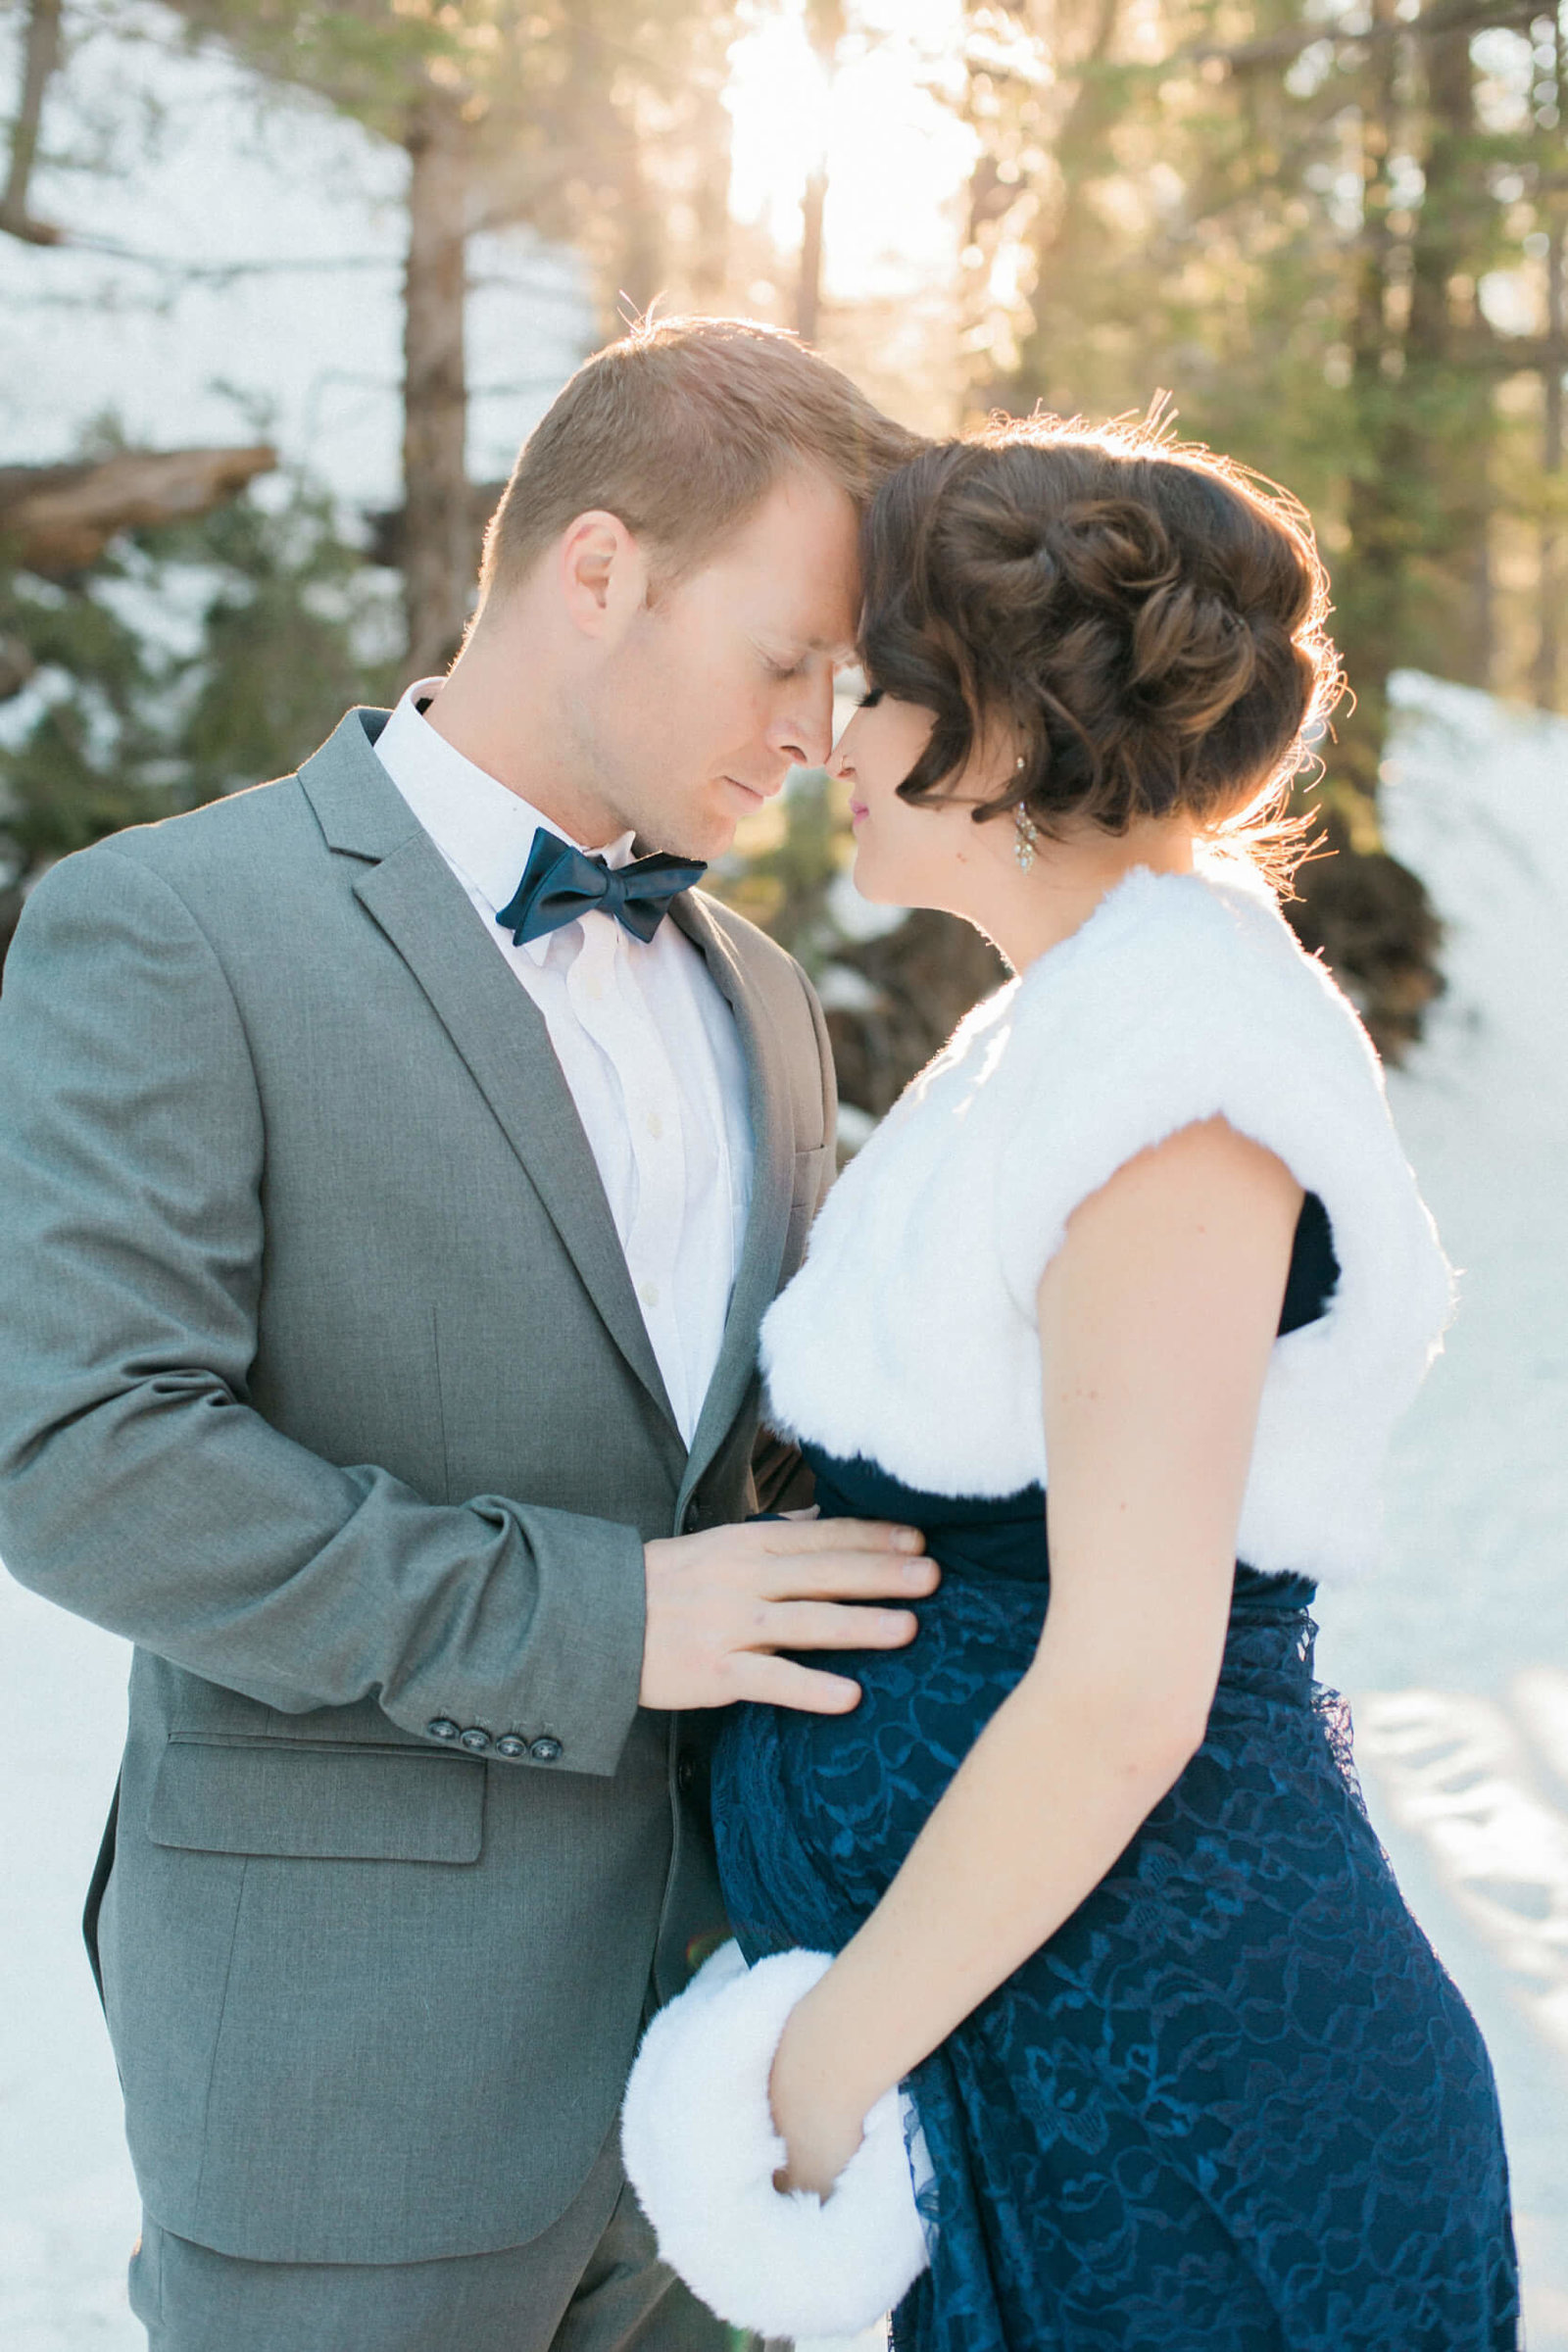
910,1335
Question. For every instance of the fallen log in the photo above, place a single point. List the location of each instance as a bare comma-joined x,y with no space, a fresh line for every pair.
58,519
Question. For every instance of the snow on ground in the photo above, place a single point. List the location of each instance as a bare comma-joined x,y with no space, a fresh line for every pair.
1455,1658
1456,1655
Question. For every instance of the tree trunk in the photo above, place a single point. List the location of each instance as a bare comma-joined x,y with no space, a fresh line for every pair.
1549,644
640,267
1070,242
1371,595
16,666
1550,586
808,294
439,544
825,26
41,56
1449,485
710,200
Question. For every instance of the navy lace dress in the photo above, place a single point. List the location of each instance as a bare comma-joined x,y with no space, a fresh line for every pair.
1234,2104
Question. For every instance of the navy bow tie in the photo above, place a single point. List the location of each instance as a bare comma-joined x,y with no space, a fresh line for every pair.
560,883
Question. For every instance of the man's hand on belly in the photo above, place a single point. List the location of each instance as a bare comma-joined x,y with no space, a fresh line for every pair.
721,1604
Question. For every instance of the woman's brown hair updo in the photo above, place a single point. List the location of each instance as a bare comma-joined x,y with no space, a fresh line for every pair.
1147,619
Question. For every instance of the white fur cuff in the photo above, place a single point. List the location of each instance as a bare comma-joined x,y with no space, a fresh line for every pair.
701,2151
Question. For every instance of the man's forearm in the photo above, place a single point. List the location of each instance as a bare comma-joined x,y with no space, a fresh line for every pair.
240,1556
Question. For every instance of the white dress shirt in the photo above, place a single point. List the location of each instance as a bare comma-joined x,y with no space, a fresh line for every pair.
646,1043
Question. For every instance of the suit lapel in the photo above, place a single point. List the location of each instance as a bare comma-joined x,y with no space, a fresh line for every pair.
409,891
772,1183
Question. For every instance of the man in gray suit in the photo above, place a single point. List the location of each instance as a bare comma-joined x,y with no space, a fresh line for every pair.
388,1201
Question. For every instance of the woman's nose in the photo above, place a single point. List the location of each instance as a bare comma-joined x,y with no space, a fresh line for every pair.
839,761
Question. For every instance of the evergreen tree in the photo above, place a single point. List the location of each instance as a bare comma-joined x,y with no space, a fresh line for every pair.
184,663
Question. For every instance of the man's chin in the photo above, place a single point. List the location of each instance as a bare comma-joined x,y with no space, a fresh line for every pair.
701,839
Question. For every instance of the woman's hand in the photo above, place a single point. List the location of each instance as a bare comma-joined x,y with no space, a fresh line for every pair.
817,2111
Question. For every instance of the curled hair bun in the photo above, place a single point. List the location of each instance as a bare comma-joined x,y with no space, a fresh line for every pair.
1146,618
1190,653
1109,549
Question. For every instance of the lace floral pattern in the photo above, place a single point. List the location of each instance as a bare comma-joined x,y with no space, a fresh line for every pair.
1234,2104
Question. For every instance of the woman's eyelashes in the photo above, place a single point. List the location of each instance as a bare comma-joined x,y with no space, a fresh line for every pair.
870,698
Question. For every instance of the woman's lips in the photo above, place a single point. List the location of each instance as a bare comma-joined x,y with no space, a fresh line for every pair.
858,809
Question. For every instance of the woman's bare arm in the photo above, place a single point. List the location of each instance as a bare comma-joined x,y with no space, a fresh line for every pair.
1157,1316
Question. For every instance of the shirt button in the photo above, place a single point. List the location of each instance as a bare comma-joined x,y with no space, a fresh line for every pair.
443,1728
693,1518
648,1293
509,1745
655,1125
545,1750
475,1738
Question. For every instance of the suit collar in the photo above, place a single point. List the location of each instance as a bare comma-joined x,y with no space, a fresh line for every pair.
773,1179
357,807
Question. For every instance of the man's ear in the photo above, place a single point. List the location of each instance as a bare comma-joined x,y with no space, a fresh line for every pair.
603,576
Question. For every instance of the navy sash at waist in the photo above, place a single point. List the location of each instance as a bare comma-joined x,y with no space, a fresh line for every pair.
998,1535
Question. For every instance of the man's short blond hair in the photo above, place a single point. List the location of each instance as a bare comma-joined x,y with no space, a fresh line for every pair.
682,429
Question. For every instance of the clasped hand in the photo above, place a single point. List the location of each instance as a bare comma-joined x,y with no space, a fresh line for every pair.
818,2107
722,1605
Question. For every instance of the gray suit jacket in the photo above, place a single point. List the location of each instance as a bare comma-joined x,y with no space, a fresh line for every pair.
321,1378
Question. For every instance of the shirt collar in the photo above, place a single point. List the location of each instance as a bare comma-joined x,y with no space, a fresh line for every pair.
480,826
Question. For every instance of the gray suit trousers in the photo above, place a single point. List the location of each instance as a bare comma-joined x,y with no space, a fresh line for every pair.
591,2282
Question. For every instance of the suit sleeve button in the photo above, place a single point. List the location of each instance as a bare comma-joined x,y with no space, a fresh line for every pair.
443,1728
475,1738
544,1751
509,1745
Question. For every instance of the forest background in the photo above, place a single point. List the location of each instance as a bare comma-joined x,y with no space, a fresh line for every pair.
260,264
1333,232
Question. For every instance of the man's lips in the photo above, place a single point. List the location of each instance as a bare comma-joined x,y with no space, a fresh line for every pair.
753,792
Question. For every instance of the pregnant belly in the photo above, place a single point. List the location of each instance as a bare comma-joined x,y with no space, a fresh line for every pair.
814,1814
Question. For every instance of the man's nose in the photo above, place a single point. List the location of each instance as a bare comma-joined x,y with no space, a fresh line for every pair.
805,734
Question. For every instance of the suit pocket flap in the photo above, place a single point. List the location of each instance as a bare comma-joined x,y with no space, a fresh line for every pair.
272,1796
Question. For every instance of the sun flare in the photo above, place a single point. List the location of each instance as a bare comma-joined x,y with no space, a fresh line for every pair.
885,124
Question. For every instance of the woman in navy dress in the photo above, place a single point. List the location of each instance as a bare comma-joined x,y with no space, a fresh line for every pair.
1112,1986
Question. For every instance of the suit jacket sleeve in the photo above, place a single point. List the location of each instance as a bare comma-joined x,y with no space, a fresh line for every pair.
137,1486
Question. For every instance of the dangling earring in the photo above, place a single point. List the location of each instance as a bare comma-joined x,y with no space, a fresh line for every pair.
1028,832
